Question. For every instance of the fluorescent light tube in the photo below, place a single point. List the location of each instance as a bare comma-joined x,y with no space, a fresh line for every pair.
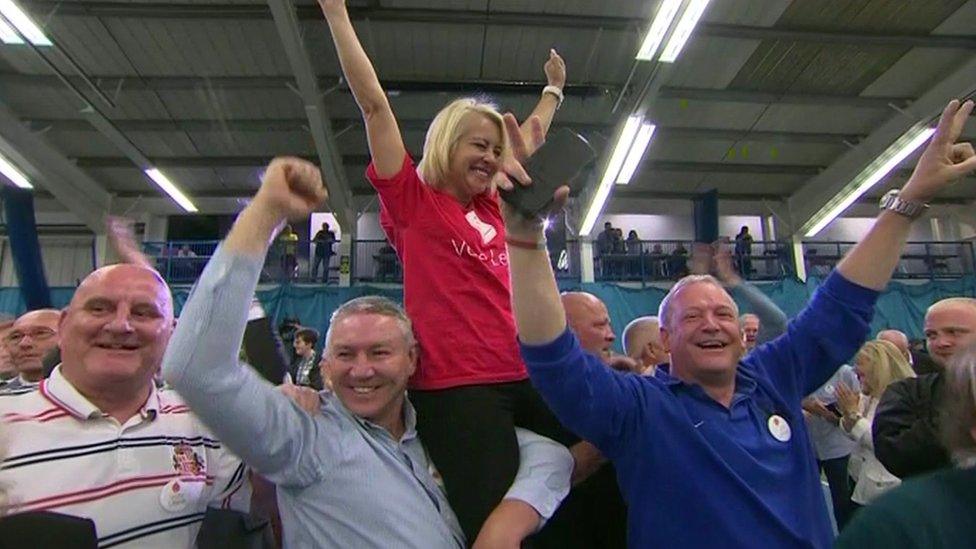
19,19
13,174
7,34
620,150
170,189
682,32
659,27
636,153
869,176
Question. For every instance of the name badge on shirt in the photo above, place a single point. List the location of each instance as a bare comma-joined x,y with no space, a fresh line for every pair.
779,428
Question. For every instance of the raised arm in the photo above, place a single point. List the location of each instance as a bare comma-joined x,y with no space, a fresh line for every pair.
874,258
771,318
255,420
382,133
545,109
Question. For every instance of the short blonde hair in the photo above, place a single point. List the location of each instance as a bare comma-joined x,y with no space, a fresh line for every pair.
886,364
445,132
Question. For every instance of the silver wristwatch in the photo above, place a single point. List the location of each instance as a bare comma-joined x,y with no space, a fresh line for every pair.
891,201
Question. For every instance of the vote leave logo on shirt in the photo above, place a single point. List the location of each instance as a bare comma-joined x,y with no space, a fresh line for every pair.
488,233
462,248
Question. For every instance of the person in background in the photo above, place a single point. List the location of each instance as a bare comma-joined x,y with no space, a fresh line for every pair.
289,251
7,370
878,364
938,509
743,251
919,361
29,339
305,365
906,424
604,241
324,241
642,342
831,443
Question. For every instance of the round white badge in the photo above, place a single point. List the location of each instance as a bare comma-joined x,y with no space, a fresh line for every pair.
173,497
779,428
178,494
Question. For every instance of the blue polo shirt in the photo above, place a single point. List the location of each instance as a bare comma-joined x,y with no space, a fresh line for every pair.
696,473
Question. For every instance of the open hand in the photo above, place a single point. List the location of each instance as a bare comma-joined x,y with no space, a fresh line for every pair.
122,238
723,264
943,160
522,147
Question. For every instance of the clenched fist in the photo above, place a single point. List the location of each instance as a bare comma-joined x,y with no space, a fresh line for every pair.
291,189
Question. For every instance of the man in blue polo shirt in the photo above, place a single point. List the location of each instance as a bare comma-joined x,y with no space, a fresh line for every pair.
714,452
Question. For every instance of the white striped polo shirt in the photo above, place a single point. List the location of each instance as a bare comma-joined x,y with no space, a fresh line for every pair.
145,484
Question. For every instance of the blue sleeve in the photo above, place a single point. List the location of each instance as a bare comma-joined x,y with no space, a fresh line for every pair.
772,320
255,420
825,335
595,402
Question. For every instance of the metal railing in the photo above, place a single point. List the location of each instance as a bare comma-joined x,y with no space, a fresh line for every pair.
664,260
645,261
919,260
182,261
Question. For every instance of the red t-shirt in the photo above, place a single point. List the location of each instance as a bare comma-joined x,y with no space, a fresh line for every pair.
456,284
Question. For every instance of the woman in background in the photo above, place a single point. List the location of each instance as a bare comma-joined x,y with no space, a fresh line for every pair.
877,364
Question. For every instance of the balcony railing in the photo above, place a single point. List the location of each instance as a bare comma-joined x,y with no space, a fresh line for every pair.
646,261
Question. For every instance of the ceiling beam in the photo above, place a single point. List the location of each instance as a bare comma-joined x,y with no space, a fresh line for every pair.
310,12
358,160
162,83
319,123
51,171
745,96
492,87
301,124
814,194
720,30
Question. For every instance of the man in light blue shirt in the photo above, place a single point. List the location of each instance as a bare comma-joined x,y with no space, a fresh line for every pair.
832,445
354,475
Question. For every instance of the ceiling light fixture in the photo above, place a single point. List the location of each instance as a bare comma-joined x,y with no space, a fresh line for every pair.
620,150
682,32
19,19
13,174
869,176
171,189
636,153
659,27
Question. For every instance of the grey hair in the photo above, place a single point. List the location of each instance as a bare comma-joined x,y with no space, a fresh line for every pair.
372,305
958,413
664,311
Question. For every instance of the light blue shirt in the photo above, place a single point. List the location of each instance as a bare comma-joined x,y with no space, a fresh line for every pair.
342,481
829,440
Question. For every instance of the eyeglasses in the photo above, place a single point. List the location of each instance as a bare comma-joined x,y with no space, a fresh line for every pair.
37,334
